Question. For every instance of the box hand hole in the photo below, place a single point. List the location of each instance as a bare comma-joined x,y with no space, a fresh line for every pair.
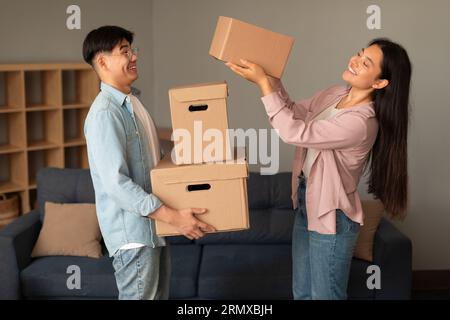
198,107
198,187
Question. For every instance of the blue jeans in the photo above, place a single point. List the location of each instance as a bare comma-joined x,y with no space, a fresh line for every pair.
143,273
321,262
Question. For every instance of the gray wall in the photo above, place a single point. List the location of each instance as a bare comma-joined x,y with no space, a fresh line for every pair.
174,38
327,32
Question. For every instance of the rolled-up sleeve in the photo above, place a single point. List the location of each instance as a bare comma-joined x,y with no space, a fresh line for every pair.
106,140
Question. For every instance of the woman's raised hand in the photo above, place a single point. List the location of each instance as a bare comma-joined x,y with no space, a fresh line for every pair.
254,73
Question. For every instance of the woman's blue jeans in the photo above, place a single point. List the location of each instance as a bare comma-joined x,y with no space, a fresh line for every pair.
321,262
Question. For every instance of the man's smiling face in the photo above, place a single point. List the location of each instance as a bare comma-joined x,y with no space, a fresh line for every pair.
119,67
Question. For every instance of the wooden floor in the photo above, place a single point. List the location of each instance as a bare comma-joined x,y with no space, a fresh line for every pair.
431,285
431,295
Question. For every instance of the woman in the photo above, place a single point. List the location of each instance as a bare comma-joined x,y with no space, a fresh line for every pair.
337,132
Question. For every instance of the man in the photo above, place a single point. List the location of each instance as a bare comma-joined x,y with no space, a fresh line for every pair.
122,149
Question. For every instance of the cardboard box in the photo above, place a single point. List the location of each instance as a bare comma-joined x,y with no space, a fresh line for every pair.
235,40
219,187
200,111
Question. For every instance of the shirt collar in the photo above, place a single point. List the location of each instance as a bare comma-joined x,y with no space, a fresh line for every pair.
119,97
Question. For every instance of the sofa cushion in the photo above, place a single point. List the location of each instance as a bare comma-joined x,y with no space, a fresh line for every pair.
64,186
270,213
185,261
245,272
47,277
178,240
357,282
280,190
266,226
258,191
69,229
269,191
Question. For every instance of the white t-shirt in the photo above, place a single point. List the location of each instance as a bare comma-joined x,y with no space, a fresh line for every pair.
132,245
311,153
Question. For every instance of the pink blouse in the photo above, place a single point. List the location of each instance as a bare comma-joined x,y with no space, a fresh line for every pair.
344,143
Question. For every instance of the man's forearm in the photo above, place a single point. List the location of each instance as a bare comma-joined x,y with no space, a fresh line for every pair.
164,214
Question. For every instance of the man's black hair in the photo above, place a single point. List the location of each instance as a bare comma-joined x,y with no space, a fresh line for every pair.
104,39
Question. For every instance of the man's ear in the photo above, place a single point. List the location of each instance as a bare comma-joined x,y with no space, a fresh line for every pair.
380,84
100,62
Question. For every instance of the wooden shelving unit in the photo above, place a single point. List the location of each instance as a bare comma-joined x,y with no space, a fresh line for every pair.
42,112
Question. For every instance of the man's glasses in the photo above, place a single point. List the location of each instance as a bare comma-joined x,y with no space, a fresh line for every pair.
129,52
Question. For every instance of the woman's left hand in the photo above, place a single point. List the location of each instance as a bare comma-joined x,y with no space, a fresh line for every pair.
252,72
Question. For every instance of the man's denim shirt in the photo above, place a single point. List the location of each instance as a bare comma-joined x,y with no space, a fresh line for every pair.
120,163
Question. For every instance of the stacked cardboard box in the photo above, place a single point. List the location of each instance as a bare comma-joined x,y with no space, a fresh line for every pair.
219,187
200,123
202,172
234,40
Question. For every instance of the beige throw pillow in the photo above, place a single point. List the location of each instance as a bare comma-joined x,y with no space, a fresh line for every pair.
69,230
373,211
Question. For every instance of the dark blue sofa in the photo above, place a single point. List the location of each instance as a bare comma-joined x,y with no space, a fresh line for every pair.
251,264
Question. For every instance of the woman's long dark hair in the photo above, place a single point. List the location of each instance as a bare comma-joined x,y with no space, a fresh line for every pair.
388,160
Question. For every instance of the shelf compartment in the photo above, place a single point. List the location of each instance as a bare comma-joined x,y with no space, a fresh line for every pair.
73,126
12,132
44,128
42,159
13,172
14,211
42,89
11,91
32,106
33,201
80,87
76,157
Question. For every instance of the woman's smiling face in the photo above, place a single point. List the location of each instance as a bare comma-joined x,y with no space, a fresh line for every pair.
364,68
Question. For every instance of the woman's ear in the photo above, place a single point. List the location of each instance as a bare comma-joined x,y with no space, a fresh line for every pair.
380,84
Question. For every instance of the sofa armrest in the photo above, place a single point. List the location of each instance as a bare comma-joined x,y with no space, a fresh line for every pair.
393,254
16,243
